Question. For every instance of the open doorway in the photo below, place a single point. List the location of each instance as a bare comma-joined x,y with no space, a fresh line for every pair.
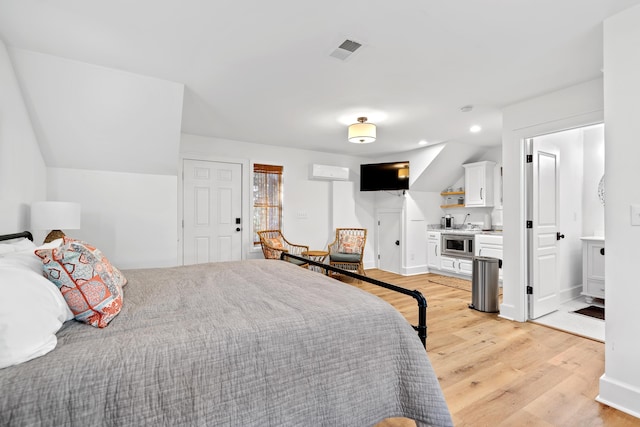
563,172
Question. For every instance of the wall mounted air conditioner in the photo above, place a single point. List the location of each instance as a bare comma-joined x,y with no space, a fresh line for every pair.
330,173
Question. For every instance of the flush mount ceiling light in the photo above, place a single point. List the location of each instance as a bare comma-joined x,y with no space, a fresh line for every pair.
362,132
475,129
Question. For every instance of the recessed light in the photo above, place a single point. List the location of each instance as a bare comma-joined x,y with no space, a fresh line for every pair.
475,129
423,142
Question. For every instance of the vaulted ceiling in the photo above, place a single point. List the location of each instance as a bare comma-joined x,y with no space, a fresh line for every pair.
262,72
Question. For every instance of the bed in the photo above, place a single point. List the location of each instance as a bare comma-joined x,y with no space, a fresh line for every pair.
248,343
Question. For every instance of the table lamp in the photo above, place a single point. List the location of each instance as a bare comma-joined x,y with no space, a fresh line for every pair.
55,216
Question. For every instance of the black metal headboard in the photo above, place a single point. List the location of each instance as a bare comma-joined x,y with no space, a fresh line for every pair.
26,234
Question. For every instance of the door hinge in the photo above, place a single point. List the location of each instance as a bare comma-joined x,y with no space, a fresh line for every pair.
529,158
183,223
378,222
529,290
529,224
378,256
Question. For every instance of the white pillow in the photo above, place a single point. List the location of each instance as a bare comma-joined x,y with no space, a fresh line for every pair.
6,249
32,310
21,244
27,258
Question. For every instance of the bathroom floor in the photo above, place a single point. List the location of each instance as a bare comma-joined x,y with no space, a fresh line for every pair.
574,323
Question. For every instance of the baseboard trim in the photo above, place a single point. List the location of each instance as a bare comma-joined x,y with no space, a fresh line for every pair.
570,294
412,271
619,395
449,273
509,312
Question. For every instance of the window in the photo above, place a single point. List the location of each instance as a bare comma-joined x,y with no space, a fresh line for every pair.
267,199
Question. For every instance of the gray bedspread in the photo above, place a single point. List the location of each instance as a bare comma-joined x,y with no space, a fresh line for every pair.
251,343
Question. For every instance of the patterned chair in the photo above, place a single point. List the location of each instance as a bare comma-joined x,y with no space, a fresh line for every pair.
347,249
273,244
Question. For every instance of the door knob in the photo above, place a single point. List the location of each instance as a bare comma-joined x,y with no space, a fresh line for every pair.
601,251
237,228
397,242
559,236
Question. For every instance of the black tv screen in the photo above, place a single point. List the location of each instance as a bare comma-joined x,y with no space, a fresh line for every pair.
384,176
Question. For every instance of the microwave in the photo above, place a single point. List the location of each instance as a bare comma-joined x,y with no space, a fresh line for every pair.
457,245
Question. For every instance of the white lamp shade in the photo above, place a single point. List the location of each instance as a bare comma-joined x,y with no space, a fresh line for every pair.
362,133
55,215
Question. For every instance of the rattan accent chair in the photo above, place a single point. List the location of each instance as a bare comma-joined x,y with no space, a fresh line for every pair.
347,249
273,244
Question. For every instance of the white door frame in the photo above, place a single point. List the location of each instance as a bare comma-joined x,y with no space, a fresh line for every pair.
245,197
520,312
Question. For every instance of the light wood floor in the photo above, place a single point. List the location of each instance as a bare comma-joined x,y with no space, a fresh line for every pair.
495,372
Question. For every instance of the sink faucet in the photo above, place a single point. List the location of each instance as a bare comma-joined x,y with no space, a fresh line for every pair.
465,219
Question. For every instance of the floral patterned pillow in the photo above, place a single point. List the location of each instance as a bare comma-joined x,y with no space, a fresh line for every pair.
275,243
117,274
90,285
351,244
270,252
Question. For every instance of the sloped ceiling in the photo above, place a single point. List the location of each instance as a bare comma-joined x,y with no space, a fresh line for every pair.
91,117
445,168
260,71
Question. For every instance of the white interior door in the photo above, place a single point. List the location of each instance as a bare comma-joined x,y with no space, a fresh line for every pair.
389,243
212,207
543,252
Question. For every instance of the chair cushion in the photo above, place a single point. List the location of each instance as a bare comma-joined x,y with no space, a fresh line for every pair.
351,244
296,261
342,257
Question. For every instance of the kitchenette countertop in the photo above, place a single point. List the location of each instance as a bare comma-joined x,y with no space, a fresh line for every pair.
600,238
464,231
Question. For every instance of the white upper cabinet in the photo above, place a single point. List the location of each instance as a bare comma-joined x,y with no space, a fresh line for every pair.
478,184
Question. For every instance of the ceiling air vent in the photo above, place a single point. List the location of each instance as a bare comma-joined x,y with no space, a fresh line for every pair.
345,49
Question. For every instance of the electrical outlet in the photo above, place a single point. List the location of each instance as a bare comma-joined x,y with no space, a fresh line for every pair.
635,214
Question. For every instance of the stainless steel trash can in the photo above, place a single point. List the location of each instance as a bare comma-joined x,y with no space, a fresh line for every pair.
484,284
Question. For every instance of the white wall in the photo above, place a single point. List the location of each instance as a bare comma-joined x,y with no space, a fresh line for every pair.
97,118
415,239
592,208
620,385
576,106
311,209
22,169
131,218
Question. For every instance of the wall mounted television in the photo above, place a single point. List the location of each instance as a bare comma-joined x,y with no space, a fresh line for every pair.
384,176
